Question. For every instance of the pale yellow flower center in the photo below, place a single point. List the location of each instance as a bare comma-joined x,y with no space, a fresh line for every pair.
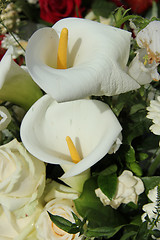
62,50
73,151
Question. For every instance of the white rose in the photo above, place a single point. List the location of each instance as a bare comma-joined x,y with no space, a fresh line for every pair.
22,178
49,231
128,189
13,228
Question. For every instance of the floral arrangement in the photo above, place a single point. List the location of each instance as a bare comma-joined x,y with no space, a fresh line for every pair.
79,120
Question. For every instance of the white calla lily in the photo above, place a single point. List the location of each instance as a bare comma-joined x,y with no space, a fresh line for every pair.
90,123
16,85
96,60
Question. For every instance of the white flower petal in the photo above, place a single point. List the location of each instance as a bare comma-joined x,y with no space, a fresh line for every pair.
25,180
97,58
47,230
152,194
56,190
127,190
149,38
91,125
143,74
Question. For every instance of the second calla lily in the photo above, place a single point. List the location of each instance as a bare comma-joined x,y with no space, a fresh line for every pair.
91,125
96,60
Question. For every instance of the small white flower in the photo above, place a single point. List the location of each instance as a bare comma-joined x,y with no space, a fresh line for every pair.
9,40
150,208
143,73
48,230
5,118
10,18
149,38
144,66
128,189
154,114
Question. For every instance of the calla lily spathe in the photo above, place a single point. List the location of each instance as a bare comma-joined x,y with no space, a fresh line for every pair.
96,60
16,85
91,125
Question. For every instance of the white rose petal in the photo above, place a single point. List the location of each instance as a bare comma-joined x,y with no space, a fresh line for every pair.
12,227
22,176
49,231
128,189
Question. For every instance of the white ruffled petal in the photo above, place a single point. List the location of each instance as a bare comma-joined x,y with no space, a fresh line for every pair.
97,58
91,125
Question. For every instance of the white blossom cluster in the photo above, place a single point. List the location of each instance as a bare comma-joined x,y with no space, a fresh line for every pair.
10,19
154,114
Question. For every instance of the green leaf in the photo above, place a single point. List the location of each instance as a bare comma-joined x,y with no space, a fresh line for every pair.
150,182
131,162
153,167
108,185
143,233
156,233
64,224
130,155
102,231
128,235
89,205
109,170
136,108
142,156
77,220
102,8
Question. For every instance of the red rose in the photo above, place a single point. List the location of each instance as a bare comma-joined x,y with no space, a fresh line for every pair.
2,50
53,10
137,6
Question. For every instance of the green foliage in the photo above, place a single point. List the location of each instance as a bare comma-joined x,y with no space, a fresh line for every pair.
102,8
102,232
108,184
88,205
66,225
150,182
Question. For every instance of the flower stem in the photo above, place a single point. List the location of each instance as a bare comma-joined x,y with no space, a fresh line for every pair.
12,35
